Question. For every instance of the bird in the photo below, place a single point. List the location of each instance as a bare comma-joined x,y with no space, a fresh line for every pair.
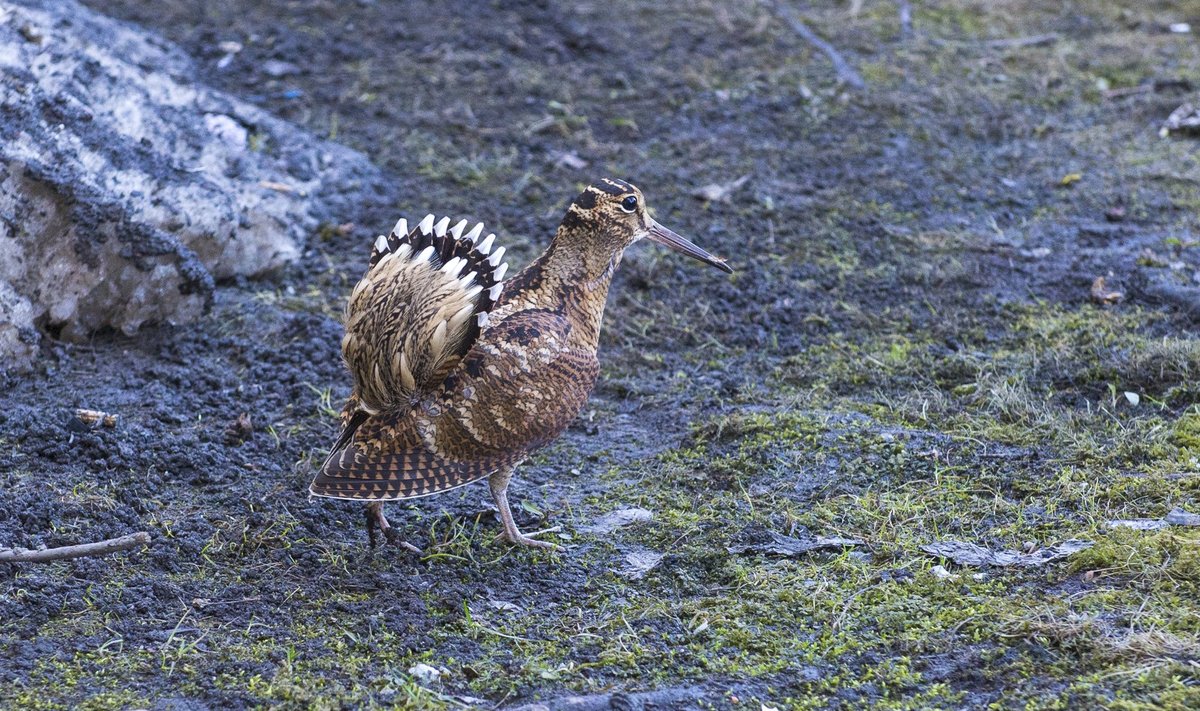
459,374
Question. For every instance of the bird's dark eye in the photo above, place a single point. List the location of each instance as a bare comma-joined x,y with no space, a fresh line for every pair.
629,204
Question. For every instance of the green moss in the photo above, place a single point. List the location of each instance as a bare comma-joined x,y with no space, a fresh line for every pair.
1186,433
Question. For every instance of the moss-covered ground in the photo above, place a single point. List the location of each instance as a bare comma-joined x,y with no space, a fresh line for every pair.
908,353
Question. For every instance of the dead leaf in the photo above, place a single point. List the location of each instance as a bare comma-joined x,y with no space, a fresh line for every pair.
613,520
424,673
1070,179
720,192
639,562
940,572
970,554
92,418
1102,294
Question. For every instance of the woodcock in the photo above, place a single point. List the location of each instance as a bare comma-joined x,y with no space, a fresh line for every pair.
460,375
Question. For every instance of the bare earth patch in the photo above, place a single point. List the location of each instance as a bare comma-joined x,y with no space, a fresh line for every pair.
908,353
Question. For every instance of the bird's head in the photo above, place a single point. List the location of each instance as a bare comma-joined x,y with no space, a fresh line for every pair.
610,215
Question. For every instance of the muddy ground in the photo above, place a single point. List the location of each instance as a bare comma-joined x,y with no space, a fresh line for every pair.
908,353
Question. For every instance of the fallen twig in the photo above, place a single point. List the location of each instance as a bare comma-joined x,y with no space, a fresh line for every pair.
112,545
1031,41
844,71
1149,87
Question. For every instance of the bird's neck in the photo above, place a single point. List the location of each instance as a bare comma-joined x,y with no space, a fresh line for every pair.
571,282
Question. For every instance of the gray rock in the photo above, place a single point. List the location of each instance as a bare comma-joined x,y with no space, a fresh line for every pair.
1180,517
683,697
965,553
1138,524
127,190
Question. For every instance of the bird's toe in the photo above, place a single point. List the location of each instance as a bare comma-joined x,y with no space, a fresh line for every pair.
521,539
394,539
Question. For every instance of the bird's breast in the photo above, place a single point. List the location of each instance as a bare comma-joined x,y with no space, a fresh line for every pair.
514,394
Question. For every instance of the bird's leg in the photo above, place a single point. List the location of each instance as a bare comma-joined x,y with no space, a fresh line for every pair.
498,483
373,511
375,518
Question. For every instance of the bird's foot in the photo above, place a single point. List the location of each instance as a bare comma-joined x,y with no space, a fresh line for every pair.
521,539
498,483
372,521
391,536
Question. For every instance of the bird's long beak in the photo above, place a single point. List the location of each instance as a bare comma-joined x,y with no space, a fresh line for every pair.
662,235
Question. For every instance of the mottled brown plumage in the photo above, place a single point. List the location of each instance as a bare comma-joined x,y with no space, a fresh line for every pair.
459,376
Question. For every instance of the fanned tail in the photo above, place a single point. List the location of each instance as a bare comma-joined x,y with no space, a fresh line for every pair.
418,309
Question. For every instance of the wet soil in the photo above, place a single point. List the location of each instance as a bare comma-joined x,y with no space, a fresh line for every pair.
887,241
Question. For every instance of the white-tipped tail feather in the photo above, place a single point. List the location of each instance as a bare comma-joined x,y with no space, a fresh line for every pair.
439,230
409,320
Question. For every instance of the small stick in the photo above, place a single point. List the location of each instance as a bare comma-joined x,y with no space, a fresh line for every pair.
112,545
1033,41
1154,86
1124,91
845,72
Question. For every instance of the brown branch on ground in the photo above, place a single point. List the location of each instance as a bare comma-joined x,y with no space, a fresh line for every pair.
1151,87
844,71
112,545
1032,41
1001,43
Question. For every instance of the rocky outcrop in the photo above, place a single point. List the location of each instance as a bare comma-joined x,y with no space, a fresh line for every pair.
127,190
